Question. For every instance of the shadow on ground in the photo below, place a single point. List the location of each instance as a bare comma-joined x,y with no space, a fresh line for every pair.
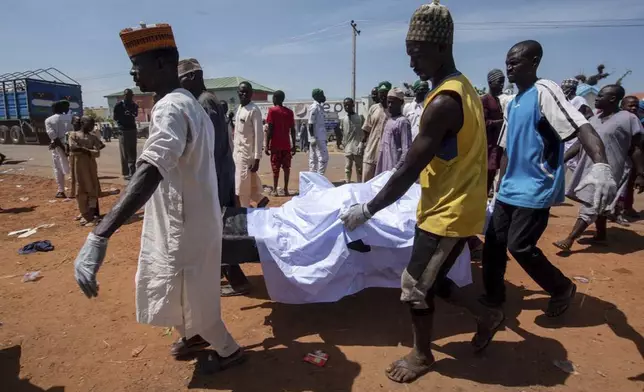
375,317
14,162
620,241
282,369
17,210
10,373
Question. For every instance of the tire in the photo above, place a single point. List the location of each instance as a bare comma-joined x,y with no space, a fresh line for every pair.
5,135
16,135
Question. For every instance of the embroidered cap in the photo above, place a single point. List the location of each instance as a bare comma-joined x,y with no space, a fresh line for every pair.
432,23
147,38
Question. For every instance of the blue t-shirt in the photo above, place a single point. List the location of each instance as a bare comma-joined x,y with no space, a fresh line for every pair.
537,121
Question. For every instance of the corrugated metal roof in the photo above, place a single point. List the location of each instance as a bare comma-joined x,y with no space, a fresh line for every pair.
230,82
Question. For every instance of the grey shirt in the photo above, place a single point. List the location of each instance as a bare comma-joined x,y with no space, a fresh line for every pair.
352,135
616,132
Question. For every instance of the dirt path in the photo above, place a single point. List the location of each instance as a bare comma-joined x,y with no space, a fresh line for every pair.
53,338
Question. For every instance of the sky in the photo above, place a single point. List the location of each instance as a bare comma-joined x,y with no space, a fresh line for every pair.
298,45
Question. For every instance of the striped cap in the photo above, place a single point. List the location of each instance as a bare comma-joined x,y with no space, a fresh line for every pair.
431,23
147,38
495,75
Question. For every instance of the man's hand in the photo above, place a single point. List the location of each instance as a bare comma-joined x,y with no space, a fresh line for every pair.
88,262
313,142
293,151
601,178
255,166
355,216
360,148
267,150
639,183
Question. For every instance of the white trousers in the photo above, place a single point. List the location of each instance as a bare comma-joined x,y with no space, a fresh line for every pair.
61,167
318,156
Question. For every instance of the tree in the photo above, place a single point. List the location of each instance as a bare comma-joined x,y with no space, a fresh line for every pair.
91,114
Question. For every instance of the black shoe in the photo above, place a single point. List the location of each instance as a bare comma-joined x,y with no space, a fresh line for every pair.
61,195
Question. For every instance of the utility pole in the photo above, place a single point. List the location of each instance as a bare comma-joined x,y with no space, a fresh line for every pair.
354,32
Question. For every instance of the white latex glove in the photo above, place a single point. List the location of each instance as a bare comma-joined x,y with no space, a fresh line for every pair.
601,178
88,262
355,216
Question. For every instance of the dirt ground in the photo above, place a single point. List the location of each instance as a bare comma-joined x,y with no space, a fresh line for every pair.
52,338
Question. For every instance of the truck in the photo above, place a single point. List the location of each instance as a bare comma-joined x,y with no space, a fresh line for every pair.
26,100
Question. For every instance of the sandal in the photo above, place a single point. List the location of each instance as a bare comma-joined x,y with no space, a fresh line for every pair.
229,291
558,305
184,347
211,362
484,333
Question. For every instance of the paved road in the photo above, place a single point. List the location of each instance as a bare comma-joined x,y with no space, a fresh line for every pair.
36,160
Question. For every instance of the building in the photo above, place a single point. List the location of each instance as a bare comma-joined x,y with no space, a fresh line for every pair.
100,111
223,88
589,93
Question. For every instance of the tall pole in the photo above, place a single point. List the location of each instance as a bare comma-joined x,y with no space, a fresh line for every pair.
354,32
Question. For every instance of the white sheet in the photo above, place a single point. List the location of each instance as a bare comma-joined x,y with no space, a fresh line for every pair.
303,245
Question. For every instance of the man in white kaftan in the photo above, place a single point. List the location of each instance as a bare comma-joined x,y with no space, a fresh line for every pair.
247,150
177,282
318,152
57,127
178,275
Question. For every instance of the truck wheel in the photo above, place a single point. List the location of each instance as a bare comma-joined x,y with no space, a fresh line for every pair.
5,137
16,135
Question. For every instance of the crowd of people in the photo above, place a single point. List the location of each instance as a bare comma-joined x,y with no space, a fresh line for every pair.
459,147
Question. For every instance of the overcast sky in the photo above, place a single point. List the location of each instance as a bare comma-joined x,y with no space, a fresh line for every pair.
298,45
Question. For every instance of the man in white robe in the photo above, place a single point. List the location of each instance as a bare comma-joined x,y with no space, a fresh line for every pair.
318,152
57,126
247,148
178,276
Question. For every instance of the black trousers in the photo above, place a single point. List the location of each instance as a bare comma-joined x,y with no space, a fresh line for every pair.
518,230
127,145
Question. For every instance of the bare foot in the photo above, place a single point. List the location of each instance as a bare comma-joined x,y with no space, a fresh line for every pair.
410,367
286,192
564,245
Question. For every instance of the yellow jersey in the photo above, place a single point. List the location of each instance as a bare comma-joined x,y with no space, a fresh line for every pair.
454,184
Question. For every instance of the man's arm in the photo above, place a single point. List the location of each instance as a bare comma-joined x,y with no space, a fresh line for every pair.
367,127
293,138
144,182
567,121
259,133
269,136
503,168
312,118
442,117
572,152
118,112
637,155
592,144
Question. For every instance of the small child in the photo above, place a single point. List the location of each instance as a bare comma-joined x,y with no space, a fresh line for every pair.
84,149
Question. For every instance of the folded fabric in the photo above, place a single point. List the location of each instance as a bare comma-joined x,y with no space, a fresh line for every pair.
37,246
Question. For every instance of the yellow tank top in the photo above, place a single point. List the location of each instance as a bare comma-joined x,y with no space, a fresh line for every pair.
453,185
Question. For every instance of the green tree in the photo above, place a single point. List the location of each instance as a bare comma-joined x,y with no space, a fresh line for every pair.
90,113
